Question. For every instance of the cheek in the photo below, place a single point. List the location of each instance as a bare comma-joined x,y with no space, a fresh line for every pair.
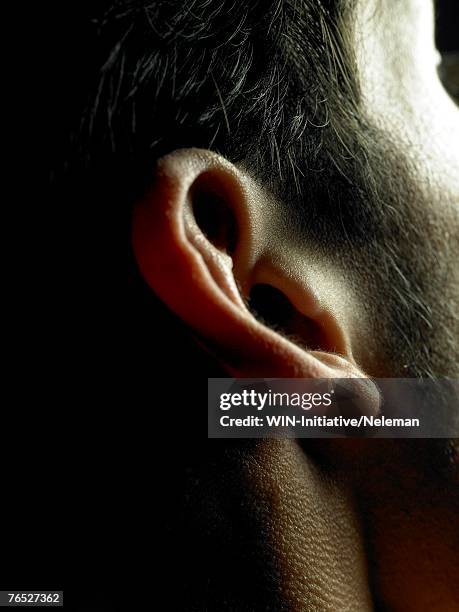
401,91
436,145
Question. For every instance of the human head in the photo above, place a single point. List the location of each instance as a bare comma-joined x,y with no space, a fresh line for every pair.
290,176
320,141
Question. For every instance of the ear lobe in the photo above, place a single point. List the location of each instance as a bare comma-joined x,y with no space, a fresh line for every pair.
198,235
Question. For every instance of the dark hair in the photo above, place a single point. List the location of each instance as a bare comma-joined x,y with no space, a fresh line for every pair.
268,83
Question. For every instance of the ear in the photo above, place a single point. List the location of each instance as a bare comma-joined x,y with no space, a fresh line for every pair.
208,241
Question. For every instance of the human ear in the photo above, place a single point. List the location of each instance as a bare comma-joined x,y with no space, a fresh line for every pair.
206,240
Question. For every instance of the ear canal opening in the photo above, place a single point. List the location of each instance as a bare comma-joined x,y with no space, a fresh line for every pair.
275,310
214,216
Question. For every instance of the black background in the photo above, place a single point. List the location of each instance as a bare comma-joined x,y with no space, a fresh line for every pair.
447,25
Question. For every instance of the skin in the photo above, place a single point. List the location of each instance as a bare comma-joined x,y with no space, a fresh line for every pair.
402,95
328,525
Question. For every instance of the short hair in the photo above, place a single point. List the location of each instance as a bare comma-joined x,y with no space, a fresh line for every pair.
269,84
